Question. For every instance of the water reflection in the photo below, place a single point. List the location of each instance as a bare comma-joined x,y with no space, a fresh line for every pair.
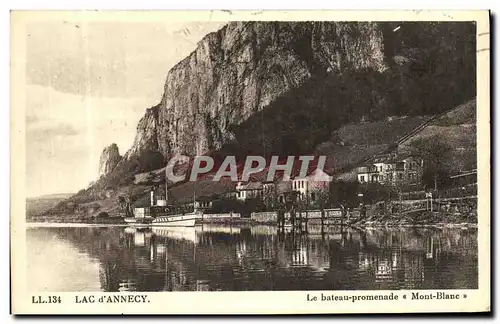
209,257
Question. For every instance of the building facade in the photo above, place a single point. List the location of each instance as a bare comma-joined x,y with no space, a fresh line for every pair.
275,192
249,190
392,170
307,187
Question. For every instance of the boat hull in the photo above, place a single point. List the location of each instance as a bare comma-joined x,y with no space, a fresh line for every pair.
138,221
176,220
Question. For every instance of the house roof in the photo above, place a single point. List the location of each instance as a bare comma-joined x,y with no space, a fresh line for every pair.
366,172
392,157
464,174
250,186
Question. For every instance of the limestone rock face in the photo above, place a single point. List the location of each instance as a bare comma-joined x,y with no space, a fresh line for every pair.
146,138
240,69
275,84
110,157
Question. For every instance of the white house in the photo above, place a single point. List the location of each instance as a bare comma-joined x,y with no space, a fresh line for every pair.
308,185
389,169
248,190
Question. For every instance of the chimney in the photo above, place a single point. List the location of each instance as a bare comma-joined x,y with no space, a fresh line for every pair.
152,196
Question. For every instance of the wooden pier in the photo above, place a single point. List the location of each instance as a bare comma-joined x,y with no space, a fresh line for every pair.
301,220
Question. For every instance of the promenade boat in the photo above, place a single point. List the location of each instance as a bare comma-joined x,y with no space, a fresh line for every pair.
159,214
183,220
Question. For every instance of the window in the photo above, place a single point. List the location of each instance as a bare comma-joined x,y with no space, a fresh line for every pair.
362,178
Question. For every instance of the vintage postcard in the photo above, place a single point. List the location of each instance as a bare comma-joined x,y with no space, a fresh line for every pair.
240,162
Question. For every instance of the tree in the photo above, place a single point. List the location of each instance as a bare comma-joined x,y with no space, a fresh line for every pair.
270,197
122,203
374,192
226,205
128,206
150,178
322,198
345,193
434,152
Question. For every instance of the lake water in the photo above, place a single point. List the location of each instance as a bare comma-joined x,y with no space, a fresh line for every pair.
209,257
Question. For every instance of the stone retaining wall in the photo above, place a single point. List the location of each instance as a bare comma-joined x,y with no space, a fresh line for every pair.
265,217
225,216
313,216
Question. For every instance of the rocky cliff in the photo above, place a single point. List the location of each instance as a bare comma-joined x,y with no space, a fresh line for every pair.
146,137
110,157
240,69
236,72
285,87
331,72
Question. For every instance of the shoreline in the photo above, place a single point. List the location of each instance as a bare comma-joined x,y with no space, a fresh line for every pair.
249,222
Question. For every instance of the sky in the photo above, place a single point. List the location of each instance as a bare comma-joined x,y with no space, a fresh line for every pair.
88,84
